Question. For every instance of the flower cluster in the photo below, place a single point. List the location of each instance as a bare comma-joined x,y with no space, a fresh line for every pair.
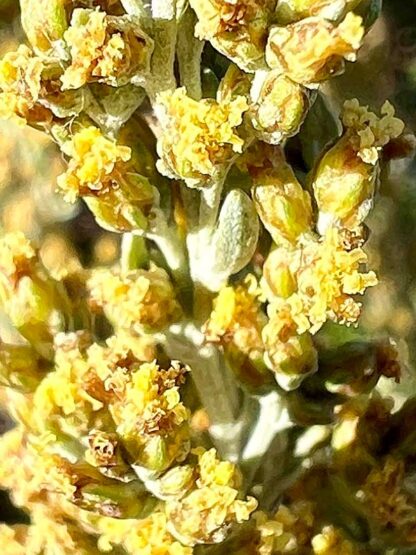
174,384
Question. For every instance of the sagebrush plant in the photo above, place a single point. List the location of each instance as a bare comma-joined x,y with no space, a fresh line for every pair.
180,401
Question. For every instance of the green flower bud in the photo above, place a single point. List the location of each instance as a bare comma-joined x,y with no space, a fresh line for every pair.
280,107
278,280
175,483
283,206
292,360
44,22
344,186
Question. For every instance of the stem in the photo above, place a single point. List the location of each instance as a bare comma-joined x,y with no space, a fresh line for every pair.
215,383
198,240
189,50
163,58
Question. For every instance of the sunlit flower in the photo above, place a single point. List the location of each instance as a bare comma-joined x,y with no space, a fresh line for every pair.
139,299
331,541
101,171
287,531
105,49
205,514
21,86
237,317
199,138
237,28
313,49
327,276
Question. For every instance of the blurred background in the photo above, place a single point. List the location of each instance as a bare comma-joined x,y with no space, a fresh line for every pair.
68,235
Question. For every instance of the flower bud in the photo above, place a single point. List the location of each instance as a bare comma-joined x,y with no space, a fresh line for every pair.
44,22
345,178
344,187
143,300
283,206
314,49
291,360
21,367
28,294
173,484
280,106
279,280
237,28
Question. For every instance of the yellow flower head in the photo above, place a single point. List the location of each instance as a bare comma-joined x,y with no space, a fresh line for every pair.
21,87
205,514
199,138
150,415
44,22
95,166
313,49
103,173
148,536
370,133
327,276
140,299
105,49
17,256
237,317
237,28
